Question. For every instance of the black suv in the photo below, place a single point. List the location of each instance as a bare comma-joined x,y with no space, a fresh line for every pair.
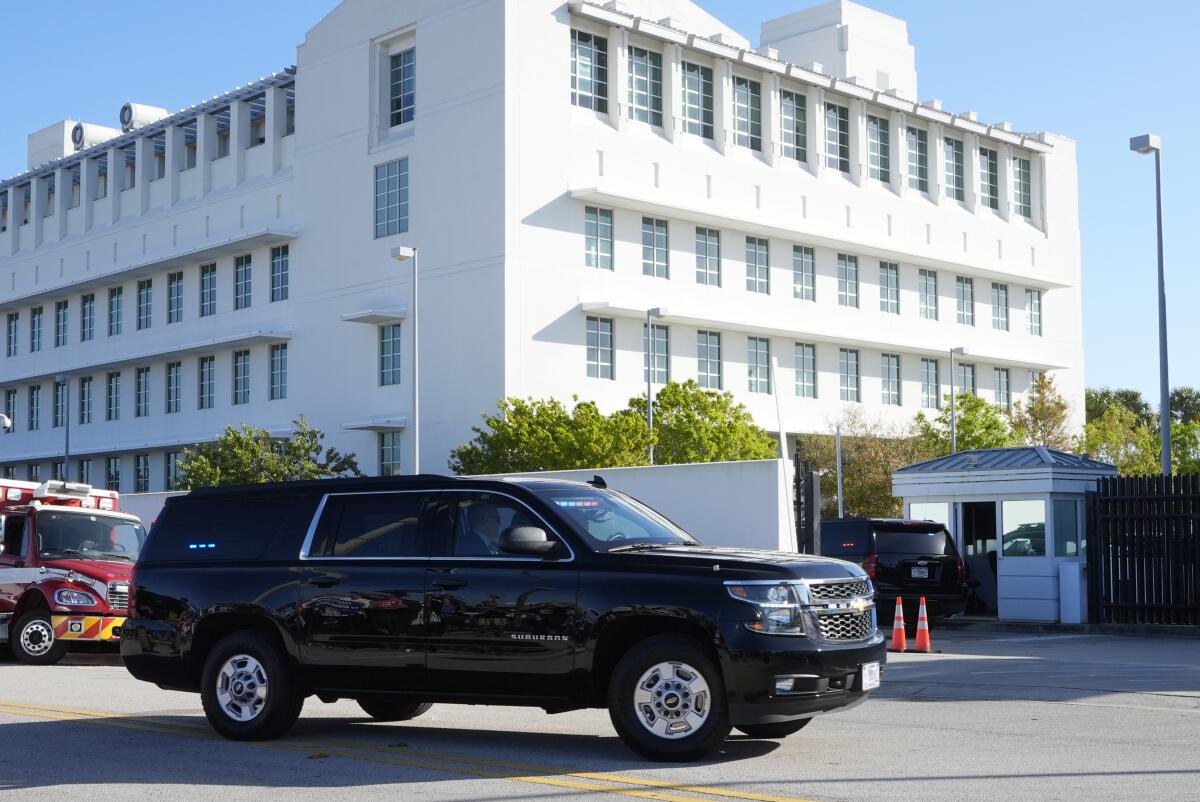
903,558
402,592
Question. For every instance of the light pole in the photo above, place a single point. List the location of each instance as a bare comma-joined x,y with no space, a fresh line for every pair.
651,314
401,254
65,380
1151,143
953,411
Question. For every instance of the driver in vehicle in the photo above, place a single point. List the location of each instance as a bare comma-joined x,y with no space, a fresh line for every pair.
479,530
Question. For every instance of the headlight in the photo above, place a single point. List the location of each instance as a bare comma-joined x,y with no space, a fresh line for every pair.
777,607
74,598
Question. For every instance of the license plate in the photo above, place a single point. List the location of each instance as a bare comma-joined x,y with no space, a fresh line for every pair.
920,572
870,676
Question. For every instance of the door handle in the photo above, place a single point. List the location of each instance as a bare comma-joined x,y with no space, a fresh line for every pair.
449,583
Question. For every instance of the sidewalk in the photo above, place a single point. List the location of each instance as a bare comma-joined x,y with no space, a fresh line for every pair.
984,624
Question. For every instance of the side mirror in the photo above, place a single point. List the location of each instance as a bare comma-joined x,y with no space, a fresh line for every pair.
525,540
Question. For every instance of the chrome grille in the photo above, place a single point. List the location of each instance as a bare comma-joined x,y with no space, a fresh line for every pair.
118,595
825,591
845,626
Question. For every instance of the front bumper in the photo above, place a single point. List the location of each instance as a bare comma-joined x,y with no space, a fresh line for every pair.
827,674
87,627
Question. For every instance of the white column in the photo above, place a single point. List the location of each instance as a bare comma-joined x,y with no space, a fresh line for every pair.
88,181
276,124
858,141
770,118
37,208
144,151
116,182
206,149
239,137
62,198
899,152
1004,152
937,162
971,171
618,74
722,105
815,128
14,220
174,137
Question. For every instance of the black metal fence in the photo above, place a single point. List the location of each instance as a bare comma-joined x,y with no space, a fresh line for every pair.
1143,550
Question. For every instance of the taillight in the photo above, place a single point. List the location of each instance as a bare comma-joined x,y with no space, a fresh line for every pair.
962,570
871,565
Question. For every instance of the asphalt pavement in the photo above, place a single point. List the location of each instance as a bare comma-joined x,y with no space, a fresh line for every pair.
993,716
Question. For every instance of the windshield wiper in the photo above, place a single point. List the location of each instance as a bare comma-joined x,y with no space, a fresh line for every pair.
75,552
640,547
105,555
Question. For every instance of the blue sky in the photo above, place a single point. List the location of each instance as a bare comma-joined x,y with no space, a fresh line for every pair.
1096,71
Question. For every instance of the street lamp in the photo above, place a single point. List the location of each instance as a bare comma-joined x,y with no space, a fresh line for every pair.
1151,143
953,414
655,313
402,254
65,380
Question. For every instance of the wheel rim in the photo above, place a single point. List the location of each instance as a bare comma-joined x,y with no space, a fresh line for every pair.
37,638
672,700
242,688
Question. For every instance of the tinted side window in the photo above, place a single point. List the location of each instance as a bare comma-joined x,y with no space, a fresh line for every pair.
216,528
374,525
476,521
14,536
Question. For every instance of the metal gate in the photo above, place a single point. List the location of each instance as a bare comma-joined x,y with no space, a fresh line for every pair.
1143,550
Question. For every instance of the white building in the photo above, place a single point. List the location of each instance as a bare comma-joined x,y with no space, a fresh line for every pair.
816,237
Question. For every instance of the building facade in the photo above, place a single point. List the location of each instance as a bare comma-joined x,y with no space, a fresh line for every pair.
811,238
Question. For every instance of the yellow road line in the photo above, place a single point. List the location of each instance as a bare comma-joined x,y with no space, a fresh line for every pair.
416,758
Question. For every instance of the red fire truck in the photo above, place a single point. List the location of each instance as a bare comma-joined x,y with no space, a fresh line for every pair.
65,562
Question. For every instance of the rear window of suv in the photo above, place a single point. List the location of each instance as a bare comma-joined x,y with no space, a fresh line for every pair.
908,540
845,542
209,527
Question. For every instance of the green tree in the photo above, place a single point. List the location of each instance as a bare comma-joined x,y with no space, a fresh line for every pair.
1185,405
978,425
1041,420
1185,447
1118,436
1096,401
252,456
692,424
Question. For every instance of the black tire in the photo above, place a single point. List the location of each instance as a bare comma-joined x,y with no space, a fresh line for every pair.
267,715
32,640
628,721
781,729
393,709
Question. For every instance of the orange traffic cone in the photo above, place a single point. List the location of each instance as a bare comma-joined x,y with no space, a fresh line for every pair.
923,642
899,638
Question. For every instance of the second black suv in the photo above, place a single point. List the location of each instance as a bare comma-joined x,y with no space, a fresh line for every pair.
402,592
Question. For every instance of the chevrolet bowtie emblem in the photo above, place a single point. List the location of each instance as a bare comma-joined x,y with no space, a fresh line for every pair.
860,605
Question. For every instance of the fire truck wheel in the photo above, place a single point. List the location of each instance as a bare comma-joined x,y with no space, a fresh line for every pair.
247,689
33,640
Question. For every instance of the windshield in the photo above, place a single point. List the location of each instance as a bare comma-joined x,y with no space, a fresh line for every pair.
610,521
64,535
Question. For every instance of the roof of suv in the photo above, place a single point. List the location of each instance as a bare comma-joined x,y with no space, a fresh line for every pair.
368,483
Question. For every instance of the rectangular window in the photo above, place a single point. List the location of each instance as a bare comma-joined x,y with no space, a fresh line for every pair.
966,379
599,347
241,282
172,474
989,178
112,398
999,306
1000,380
879,143
708,256
207,382
389,354
847,267
931,388
144,296
806,370
758,364
174,387
112,473
598,237
656,353
964,296
85,471
655,249
60,324
404,86
747,113
927,293
837,137
141,392
708,359
1022,191
208,290
141,473
116,301
645,85
391,198
279,273
279,368
918,159
10,409
35,329
87,317
589,72
85,400
12,333
58,471
889,287
954,169
58,415
889,370
804,279
1033,312
241,377
758,272
849,380
794,129
33,472
698,100
389,454
174,297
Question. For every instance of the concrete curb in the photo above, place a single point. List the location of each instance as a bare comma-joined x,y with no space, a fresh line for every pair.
1033,627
